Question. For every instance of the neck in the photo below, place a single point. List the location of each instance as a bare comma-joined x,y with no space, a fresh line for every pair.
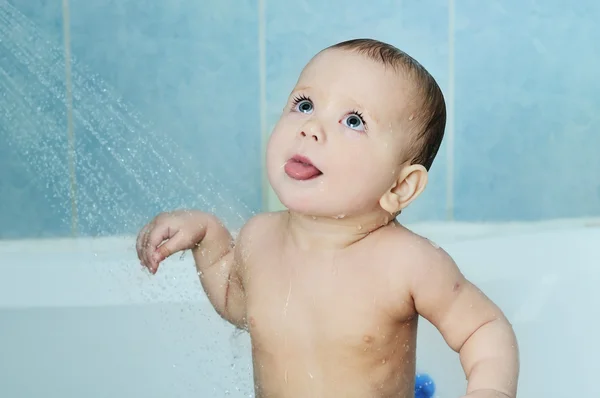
330,233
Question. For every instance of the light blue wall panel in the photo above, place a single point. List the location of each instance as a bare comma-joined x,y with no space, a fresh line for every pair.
166,112
527,109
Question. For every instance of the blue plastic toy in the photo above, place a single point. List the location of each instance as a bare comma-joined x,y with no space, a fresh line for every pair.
424,386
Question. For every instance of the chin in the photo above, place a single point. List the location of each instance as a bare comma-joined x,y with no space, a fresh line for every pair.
311,203
300,203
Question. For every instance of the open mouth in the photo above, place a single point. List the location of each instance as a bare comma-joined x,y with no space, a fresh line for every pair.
301,168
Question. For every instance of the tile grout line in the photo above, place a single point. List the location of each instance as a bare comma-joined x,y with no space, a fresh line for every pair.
69,105
450,152
262,72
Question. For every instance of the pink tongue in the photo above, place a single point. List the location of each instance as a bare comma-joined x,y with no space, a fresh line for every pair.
301,171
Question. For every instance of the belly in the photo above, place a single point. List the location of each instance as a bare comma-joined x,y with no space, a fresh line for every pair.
310,362
303,377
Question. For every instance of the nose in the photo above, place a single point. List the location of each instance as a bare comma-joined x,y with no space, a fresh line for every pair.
312,132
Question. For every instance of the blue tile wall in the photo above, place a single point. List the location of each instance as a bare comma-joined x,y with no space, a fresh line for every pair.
527,101
295,34
166,105
191,69
34,192
166,112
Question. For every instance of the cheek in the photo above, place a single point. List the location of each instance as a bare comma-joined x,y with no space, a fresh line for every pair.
364,171
281,133
271,155
275,141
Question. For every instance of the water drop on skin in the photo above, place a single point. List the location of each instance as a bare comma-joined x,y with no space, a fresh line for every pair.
411,117
434,244
359,227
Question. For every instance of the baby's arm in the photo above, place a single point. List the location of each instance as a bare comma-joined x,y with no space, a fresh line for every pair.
219,267
216,255
470,323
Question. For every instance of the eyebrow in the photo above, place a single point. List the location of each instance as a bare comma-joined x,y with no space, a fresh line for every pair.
301,88
369,114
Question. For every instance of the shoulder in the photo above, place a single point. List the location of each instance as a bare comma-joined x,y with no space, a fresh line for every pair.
260,229
262,223
412,257
399,240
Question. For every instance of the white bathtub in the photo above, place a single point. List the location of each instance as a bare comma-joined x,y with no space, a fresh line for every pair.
78,318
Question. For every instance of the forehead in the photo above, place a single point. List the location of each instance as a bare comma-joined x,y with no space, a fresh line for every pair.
346,75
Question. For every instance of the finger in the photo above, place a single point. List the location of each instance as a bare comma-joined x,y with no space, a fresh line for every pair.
144,244
155,238
139,242
167,249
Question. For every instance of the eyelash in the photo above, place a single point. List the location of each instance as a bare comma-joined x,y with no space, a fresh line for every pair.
360,116
301,98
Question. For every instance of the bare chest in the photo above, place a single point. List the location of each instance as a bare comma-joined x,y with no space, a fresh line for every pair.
336,304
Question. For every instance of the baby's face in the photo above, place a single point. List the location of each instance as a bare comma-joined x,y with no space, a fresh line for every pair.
338,145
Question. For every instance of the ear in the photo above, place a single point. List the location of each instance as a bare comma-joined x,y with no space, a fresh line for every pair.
406,188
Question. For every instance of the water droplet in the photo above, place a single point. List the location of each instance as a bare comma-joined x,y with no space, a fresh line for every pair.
359,227
411,117
434,244
340,216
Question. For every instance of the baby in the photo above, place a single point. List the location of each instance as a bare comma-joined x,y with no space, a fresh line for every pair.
331,289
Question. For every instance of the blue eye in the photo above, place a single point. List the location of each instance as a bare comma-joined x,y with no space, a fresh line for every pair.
355,122
304,106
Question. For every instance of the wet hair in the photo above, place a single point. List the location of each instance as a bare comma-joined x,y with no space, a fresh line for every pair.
431,118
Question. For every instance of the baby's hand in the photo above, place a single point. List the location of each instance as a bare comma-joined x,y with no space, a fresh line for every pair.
169,233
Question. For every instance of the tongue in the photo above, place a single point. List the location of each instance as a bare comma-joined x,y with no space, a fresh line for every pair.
301,171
